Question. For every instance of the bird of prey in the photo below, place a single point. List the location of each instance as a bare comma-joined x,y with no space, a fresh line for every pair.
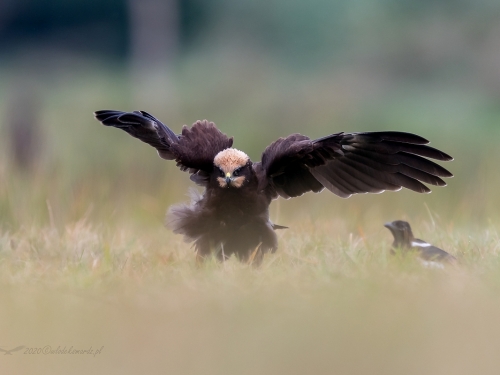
232,216
429,255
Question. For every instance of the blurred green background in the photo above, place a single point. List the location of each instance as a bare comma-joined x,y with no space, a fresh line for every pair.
259,70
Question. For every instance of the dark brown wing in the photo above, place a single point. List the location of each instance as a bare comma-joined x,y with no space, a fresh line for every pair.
433,253
349,164
199,144
142,125
193,150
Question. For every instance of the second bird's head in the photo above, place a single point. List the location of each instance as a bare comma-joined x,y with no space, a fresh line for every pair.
401,231
232,168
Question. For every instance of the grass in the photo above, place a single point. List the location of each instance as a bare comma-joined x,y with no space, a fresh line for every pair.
85,260
322,303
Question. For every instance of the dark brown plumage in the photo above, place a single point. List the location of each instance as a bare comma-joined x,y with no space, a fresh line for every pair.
429,255
233,214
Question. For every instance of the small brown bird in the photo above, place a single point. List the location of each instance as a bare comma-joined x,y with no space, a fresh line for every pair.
232,216
429,255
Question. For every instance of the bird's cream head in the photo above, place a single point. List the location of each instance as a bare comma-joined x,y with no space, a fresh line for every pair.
231,165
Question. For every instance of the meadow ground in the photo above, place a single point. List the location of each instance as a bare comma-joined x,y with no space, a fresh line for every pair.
86,262
328,301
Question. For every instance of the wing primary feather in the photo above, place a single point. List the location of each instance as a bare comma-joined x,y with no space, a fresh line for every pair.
423,164
389,147
331,181
421,175
358,186
390,136
170,134
402,168
410,160
397,179
368,183
332,186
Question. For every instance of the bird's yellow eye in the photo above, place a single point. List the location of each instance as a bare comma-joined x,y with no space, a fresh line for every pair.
228,174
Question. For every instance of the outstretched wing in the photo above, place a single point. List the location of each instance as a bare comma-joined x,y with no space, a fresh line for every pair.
349,164
141,125
193,150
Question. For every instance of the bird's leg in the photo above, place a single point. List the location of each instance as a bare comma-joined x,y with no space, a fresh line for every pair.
204,251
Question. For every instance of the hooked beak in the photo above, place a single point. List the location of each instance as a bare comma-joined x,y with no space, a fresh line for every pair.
228,179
